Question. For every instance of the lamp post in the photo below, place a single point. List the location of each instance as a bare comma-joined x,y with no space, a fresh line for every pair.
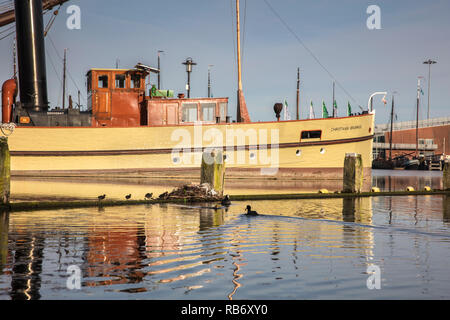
370,103
419,90
159,68
429,62
189,63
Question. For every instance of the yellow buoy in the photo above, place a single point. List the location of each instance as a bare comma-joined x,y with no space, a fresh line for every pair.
375,189
409,189
323,191
426,188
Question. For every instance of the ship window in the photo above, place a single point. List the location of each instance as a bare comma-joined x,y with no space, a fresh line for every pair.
208,111
189,112
89,83
135,81
223,111
103,81
311,134
120,81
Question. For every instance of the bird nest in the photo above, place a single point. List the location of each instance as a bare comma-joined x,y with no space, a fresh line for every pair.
192,192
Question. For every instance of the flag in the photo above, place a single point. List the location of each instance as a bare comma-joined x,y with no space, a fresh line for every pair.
324,110
311,111
287,116
384,100
421,91
349,109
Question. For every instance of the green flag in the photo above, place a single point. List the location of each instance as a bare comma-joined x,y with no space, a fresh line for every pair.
324,110
311,111
349,109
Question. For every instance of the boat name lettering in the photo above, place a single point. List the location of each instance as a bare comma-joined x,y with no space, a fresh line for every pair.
346,128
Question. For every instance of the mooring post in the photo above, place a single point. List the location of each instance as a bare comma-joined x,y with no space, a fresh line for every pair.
213,170
446,178
5,167
353,173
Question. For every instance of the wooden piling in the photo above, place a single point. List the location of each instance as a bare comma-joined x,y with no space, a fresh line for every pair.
353,173
4,226
5,168
213,170
446,178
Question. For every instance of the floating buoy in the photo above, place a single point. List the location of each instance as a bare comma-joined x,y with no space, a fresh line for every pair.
323,191
409,189
375,189
426,188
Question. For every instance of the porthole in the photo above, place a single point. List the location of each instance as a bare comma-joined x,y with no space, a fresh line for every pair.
252,156
322,151
298,153
175,160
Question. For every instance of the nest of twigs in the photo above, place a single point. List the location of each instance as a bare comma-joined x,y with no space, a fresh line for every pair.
192,192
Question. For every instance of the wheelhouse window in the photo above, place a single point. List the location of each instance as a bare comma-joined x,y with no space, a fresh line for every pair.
103,81
120,81
89,83
208,111
312,134
223,111
135,81
189,112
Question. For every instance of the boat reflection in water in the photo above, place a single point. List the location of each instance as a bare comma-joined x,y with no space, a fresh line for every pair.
25,189
145,248
295,249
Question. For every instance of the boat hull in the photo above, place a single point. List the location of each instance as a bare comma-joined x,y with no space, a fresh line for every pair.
265,149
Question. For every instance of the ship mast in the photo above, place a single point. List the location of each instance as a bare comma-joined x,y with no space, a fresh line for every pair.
242,113
238,27
298,93
392,129
64,79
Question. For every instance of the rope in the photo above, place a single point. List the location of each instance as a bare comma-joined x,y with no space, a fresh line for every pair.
309,51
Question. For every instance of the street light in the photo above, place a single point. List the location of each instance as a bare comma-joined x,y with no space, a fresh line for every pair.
429,62
189,63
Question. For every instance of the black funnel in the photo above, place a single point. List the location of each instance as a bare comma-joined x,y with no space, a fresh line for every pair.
31,54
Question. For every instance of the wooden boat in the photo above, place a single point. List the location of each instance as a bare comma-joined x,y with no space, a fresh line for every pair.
128,131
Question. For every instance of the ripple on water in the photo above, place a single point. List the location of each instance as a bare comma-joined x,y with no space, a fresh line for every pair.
299,249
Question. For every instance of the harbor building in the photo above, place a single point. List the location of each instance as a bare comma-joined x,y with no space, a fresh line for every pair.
433,139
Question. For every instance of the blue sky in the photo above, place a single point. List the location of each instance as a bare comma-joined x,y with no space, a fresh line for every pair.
361,60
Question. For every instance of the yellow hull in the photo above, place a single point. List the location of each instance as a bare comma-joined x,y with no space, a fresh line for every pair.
274,147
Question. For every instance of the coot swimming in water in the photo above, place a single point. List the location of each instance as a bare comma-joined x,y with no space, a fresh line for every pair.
250,212
226,201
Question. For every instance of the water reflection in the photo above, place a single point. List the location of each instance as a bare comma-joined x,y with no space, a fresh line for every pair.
27,267
4,227
446,208
294,249
396,180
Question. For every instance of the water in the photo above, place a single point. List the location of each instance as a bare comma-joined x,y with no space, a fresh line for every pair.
296,249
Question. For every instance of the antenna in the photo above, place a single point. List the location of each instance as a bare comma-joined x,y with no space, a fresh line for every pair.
14,59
